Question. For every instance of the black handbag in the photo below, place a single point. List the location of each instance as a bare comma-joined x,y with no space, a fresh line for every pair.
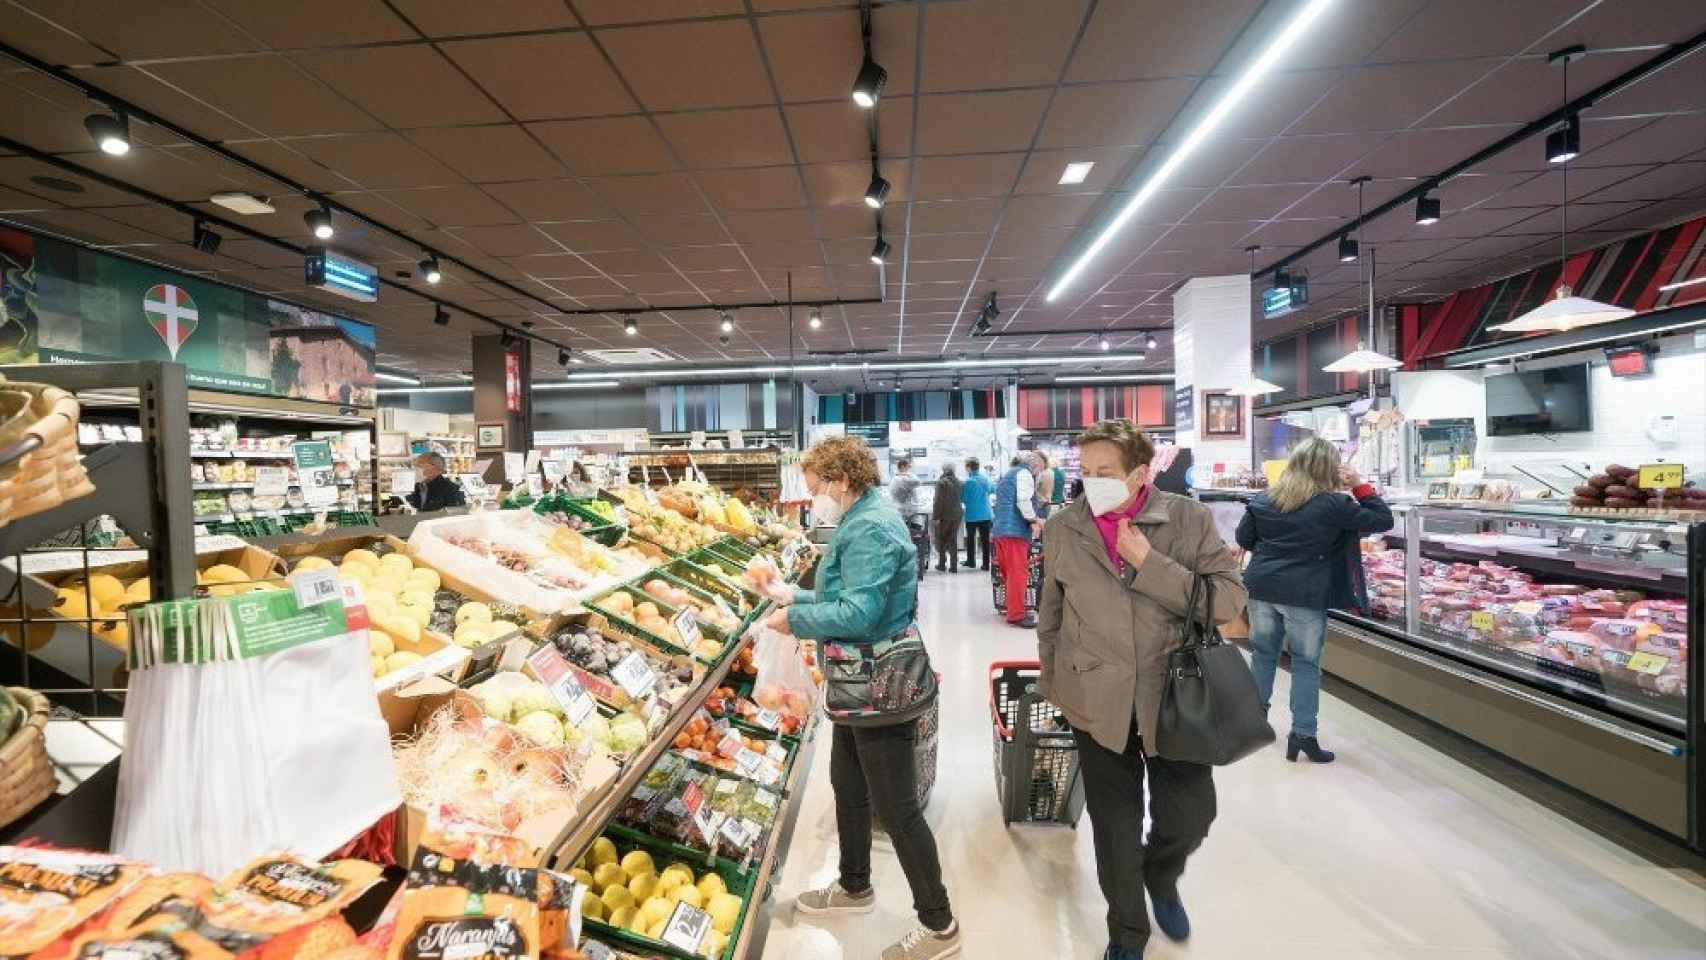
878,684
1211,711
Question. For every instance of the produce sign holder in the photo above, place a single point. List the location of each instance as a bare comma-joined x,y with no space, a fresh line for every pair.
703,591
740,883
709,574
607,692
789,744
631,630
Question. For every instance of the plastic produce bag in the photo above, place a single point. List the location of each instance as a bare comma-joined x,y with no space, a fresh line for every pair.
251,726
784,685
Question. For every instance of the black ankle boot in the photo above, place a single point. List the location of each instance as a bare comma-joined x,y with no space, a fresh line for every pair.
1310,748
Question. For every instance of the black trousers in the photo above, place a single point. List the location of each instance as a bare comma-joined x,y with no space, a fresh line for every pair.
875,767
948,550
1181,807
977,531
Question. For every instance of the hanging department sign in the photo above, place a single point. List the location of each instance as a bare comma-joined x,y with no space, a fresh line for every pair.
346,277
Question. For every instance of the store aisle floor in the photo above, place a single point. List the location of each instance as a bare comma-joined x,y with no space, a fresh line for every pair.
1396,851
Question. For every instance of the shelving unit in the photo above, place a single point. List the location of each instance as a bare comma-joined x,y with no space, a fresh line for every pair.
759,470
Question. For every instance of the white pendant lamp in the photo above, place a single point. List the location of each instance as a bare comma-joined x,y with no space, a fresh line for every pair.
1362,360
1257,387
1564,312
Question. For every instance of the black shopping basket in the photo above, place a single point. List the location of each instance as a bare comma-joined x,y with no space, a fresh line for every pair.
1036,758
918,525
1033,581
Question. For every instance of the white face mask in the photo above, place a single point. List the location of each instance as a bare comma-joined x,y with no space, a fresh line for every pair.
826,510
1105,493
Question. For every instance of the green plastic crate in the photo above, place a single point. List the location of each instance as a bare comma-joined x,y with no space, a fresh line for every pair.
715,574
739,882
630,626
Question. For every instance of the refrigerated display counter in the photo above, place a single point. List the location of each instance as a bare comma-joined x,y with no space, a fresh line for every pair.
1569,643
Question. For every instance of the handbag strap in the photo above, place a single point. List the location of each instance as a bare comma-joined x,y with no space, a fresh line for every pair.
1198,633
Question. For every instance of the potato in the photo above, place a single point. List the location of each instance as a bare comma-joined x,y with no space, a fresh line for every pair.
396,563
366,558
360,573
377,665
379,643
312,563
646,611
473,610
499,628
114,633
470,634
400,659
411,597
423,578
225,573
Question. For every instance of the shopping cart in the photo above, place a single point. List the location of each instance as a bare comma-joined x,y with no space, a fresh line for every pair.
918,525
1036,758
1033,582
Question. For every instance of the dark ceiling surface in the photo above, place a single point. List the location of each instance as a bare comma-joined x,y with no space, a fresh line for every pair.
615,154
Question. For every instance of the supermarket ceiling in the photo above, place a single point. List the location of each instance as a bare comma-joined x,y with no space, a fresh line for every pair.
611,154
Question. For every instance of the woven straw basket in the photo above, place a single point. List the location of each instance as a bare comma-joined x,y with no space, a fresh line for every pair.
53,472
26,774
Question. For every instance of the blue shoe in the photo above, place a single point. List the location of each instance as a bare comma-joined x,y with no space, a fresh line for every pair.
1117,952
1171,918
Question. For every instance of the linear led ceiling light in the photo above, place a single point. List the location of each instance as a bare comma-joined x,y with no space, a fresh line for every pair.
110,132
904,366
1680,284
429,270
1228,101
389,377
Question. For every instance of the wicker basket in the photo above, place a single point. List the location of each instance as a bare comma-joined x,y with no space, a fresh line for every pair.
26,774
52,472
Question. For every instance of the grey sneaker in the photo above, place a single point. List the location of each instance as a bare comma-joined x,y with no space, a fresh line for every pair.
834,901
923,943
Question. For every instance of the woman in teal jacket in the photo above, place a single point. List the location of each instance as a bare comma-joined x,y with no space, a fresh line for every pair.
974,493
867,585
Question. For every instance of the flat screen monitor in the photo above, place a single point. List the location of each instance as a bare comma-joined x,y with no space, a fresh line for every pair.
1539,401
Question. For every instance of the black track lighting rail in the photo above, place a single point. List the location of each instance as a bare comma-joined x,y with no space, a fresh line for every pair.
1534,128
689,307
234,226
134,111
1074,331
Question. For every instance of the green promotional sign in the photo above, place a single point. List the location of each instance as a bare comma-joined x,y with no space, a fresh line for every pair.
312,453
64,303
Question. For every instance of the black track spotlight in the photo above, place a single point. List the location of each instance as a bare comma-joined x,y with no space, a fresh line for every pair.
1103,344
1347,249
631,327
724,339
562,358
1427,210
429,270
1282,277
319,222
508,340
868,86
441,316
879,250
816,322
110,132
1564,143
877,193
1149,342
728,324
204,239
990,310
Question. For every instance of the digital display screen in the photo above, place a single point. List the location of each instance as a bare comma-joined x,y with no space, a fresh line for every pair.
1542,401
1629,362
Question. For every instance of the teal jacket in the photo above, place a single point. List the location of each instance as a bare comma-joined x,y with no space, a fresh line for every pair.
975,493
867,581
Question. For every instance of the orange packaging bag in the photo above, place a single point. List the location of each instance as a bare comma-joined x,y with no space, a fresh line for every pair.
462,910
162,938
275,894
168,895
46,894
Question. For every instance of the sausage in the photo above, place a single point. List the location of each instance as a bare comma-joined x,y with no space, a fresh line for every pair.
1626,493
1600,480
1586,492
1617,471
1622,502
1586,502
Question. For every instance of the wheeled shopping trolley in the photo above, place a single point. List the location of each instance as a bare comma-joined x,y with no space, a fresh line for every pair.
1036,759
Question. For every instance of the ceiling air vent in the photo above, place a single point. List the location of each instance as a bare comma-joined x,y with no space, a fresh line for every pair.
630,355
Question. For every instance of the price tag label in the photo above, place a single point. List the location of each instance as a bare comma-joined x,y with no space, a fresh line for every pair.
596,685
730,746
1529,608
765,798
693,798
723,605
769,774
739,832
316,587
687,625
272,481
552,670
634,675
1648,663
473,484
687,927
402,482
319,486
768,719
1481,620
749,762
1660,476
791,553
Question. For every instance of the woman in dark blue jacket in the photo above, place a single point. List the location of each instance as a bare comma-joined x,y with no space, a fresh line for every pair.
1303,536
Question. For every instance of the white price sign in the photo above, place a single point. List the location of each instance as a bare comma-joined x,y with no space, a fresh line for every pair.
315,587
739,832
687,625
577,704
319,486
473,484
749,762
515,466
768,719
634,675
687,927
402,482
272,481
706,820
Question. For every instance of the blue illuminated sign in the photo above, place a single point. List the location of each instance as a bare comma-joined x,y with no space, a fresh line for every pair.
341,275
1279,301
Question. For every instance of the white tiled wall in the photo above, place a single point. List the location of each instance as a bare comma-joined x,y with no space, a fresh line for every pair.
1211,351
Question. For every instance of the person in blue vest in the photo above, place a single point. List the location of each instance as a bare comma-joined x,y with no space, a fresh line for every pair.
974,494
1018,520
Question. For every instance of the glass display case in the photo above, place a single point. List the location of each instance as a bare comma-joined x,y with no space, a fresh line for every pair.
1591,609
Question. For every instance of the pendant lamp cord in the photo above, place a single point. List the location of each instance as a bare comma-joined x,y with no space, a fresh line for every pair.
1564,201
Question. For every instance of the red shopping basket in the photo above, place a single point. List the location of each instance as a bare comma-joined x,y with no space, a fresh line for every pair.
1036,758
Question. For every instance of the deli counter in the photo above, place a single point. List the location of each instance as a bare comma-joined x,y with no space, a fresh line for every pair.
1570,643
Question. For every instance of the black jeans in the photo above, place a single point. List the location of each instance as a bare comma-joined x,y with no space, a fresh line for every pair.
977,531
948,551
877,767
1181,807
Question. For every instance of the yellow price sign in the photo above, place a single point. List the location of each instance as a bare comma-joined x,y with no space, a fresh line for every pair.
1660,476
1481,620
1648,663
1272,470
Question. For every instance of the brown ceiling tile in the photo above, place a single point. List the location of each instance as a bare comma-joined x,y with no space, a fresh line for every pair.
453,18
155,96
725,256
47,120
161,221
1027,213
998,43
793,224
584,235
670,229
665,284
1115,114
249,88
1312,159
588,286
530,75
15,172
551,266
946,246
833,184
847,220
609,145
979,122
958,216
549,200
170,28
765,188
671,193
452,206
1248,203
1029,243
784,254
89,227
486,154
315,23
378,160
434,92
605,12
940,271
952,178
628,262
684,66
825,132
1044,167
1387,97
728,138
815,56
46,41
1171,38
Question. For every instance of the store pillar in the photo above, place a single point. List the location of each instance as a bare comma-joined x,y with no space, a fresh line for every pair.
503,402
1211,358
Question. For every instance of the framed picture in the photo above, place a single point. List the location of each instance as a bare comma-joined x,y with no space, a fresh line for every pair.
1222,415
393,444
489,436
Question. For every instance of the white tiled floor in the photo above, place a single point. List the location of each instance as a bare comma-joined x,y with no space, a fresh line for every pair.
1395,851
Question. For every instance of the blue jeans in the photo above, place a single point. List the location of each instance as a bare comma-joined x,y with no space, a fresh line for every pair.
1305,632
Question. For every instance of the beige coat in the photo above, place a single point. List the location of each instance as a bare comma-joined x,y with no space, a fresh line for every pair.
1104,645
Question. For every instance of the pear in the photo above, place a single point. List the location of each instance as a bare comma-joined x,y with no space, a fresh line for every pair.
592,907
603,851
637,862
609,875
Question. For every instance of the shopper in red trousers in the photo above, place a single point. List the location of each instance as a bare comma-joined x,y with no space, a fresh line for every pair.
1018,520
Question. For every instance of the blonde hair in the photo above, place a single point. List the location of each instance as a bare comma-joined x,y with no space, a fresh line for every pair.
843,458
1313,469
